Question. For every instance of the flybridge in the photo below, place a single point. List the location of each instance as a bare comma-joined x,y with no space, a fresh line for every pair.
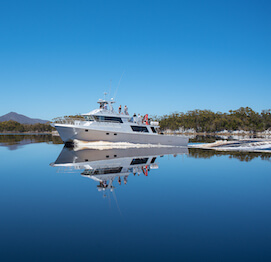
106,107
104,104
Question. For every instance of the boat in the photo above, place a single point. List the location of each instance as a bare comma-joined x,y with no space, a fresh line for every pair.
105,124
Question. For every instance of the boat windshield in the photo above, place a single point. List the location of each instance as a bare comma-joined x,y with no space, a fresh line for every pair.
88,118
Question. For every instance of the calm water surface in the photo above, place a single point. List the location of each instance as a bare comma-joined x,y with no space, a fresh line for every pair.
133,205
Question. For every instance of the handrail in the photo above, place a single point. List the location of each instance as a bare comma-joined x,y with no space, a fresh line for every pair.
72,121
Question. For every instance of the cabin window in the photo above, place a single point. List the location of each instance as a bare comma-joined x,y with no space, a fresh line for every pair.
86,130
108,119
140,129
138,161
153,129
88,118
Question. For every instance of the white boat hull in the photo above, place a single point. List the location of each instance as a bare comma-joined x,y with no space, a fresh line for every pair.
70,133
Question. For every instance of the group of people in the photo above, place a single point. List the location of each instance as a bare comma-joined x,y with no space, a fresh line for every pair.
138,119
135,119
103,106
125,110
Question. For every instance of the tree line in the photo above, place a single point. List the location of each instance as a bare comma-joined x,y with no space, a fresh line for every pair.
207,121
13,126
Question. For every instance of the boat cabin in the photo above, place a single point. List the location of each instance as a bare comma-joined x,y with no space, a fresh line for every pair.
106,113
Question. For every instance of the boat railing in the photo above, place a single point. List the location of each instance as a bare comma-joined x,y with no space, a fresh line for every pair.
70,121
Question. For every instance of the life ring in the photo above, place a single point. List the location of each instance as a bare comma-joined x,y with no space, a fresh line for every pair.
146,119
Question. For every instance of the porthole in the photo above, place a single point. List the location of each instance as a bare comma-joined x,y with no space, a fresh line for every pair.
115,134
86,130
107,133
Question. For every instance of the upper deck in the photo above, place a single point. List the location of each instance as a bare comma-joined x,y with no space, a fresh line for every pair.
106,115
106,108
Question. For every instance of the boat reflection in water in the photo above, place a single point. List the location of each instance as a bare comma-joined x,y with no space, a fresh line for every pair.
113,166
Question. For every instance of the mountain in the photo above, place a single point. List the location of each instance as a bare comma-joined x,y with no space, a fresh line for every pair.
21,119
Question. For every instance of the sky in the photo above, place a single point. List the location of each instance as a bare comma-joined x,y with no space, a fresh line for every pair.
58,57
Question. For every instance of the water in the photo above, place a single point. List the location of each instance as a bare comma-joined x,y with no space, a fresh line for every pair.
189,205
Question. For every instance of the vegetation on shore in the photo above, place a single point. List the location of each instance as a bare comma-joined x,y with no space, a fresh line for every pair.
12,126
207,121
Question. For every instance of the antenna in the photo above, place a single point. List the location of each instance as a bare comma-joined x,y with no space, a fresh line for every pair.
105,95
118,86
110,87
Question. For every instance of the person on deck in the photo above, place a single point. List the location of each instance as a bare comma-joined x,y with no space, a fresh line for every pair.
119,109
126,110
134,118
139,119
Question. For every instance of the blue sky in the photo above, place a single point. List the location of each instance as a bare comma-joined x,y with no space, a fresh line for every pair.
58,57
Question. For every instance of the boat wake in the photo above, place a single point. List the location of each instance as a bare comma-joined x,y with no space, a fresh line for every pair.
250,145
102,145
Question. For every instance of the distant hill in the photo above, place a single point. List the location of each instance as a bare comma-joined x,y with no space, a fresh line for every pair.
21,119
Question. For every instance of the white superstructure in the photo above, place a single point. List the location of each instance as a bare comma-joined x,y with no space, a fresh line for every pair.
105,124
